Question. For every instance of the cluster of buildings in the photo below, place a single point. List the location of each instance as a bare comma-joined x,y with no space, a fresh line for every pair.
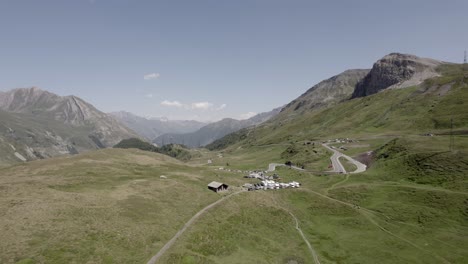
271,185
268,182
261,176
230,170
340,140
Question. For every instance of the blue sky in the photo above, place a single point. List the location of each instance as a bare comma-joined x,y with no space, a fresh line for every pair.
211,59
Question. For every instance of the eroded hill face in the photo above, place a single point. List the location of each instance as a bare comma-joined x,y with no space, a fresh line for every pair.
327,92
396,71
39,124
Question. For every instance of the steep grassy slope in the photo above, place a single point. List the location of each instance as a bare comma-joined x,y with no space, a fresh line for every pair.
39,138
326,93
39,124
427,108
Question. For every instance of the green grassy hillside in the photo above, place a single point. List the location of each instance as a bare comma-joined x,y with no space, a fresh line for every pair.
428,108
173,150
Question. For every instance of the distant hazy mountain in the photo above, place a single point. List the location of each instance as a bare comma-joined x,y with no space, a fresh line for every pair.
214,131
154,127
39,124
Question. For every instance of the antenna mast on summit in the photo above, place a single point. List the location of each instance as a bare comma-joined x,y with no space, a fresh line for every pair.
464,59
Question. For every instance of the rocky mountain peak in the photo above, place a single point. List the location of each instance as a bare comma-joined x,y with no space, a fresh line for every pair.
396,70
86,126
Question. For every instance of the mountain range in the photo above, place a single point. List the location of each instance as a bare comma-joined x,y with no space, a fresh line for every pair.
38,124
151,128
332,106
211,132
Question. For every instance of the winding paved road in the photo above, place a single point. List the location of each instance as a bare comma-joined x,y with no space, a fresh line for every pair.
338,167
272,166
161,252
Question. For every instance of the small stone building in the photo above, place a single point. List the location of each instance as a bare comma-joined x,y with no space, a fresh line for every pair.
217,186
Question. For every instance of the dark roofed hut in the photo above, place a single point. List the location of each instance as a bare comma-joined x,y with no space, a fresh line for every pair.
217,186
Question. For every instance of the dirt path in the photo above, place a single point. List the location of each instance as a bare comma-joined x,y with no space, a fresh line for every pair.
311,249
366,214
168,245
337,183
299,230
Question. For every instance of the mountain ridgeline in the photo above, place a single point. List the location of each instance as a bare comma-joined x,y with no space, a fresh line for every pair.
151,128
38,124
172,150
327,93
400,93
214,131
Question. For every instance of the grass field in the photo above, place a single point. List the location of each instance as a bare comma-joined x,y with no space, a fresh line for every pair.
108,206
111,206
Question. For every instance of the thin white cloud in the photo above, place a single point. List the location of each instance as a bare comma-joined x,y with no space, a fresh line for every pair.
202,105
221,107
149,95
172,103
247,115
151,76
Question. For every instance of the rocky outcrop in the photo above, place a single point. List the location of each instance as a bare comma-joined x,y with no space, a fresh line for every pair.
396,71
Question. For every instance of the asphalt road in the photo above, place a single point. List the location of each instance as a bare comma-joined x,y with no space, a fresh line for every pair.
272,166
338,167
